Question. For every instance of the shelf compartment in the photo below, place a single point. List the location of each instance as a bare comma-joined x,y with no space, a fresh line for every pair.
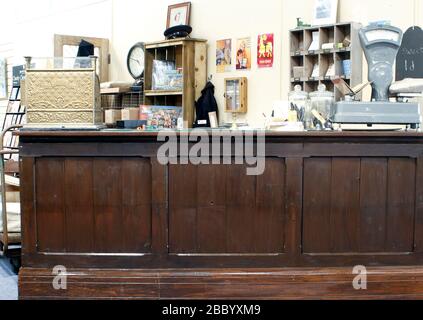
174,101
339,60
342,32
309,63
171,53
297,42
297,62
325,62
327,35
308,39
311,86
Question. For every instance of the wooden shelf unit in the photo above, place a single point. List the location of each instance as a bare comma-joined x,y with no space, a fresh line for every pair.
188,54
300,56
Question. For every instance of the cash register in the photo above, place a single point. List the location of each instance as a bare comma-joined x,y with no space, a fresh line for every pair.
380,44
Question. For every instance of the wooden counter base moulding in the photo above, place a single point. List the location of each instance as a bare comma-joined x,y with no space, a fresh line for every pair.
231,284
125,226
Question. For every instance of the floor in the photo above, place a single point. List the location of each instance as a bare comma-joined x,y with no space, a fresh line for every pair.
8,281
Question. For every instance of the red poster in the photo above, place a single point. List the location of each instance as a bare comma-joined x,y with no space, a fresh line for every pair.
265,50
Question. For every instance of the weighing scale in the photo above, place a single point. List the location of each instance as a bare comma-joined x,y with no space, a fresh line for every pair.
380,45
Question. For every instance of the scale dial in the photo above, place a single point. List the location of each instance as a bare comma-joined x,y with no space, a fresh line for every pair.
136,58
381,34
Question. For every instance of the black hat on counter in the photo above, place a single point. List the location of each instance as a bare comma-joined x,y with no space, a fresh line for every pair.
175,32
85,49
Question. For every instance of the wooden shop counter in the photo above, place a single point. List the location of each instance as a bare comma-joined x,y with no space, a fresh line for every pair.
124,226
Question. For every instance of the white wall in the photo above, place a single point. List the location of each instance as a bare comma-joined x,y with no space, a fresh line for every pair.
37,24
126,22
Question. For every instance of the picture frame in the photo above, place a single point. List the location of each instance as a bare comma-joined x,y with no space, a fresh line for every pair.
178,14
325,12
3,79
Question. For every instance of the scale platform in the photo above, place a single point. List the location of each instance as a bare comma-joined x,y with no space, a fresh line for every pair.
377,113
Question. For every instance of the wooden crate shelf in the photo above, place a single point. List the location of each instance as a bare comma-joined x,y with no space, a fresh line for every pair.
188,54
301,56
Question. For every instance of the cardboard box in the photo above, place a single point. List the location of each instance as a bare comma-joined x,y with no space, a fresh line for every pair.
112,116
130,114
298,72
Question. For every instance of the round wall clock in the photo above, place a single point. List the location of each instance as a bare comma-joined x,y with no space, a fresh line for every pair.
135,61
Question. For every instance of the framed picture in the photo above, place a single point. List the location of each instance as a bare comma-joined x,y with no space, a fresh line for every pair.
223,55
178,14
3,79
325,12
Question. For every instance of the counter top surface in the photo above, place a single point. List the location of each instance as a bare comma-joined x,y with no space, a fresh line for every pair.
135,133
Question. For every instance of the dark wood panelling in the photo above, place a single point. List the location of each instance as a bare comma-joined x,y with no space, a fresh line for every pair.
345,205
418,233
240,188
211,186
270,208
294,208
136,205
183,213
94,205
212,229
108,200
50,205
160,207
240,229
78,180
240,210
216,209
183,230
373,201
211,212
29,218
401,205
317,205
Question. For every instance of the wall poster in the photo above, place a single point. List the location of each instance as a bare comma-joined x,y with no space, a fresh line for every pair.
224,55
243,54
265,51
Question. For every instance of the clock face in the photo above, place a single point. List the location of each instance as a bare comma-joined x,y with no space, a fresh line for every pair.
136,61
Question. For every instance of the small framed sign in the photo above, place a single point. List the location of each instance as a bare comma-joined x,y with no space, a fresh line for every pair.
325,12
178,14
